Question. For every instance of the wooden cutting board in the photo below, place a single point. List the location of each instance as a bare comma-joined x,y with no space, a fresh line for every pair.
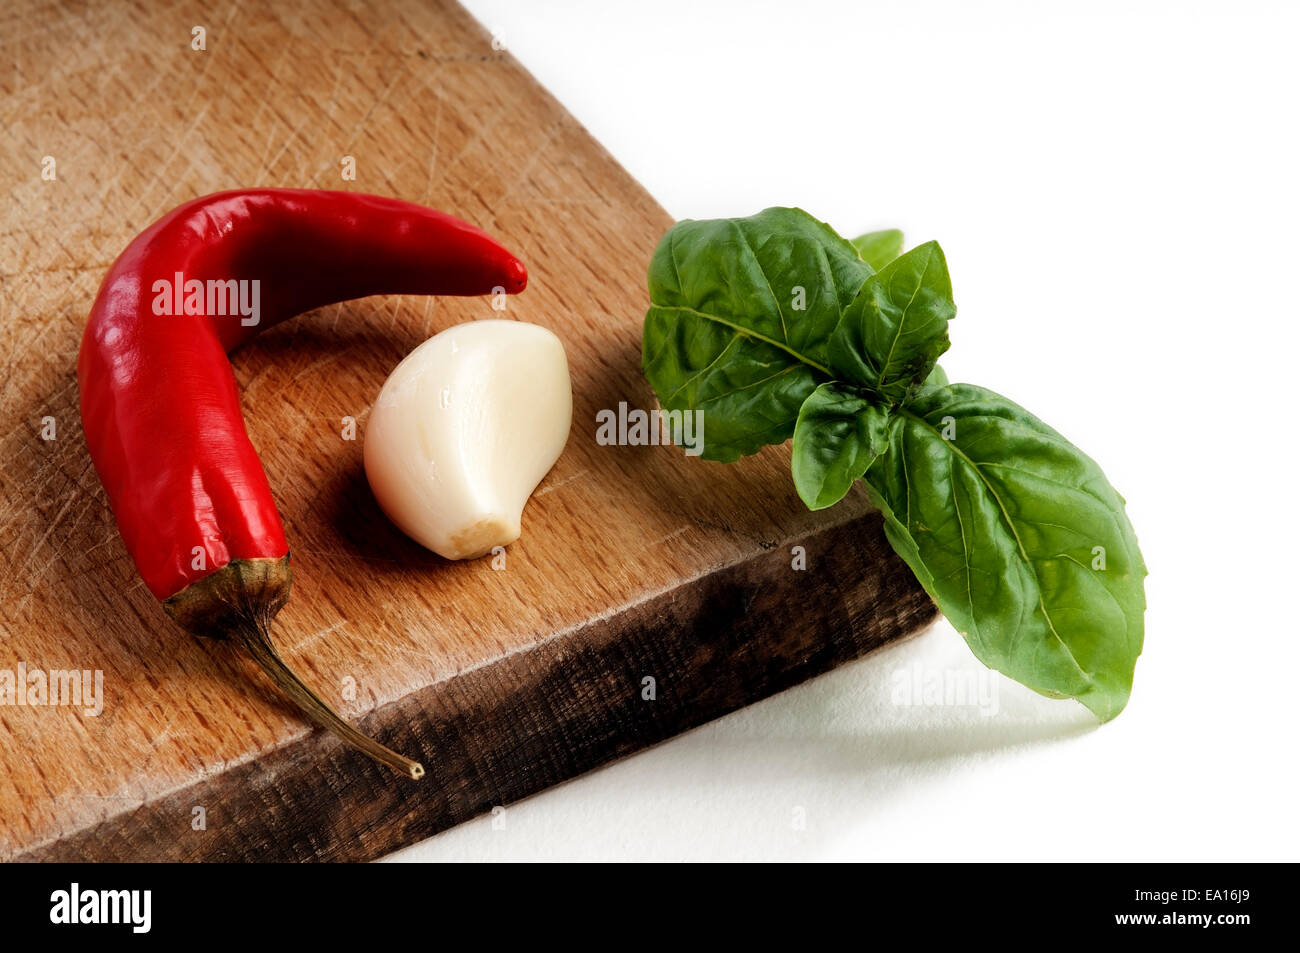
636,562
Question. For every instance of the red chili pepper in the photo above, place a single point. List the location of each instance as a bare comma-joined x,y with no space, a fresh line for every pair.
161,411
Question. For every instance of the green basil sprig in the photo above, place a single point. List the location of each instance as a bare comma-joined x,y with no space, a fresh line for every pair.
878,249
774,326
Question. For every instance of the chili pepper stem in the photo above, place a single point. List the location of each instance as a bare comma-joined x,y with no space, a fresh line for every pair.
257,640
238,602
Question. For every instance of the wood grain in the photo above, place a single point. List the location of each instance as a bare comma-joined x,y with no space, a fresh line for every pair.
635,561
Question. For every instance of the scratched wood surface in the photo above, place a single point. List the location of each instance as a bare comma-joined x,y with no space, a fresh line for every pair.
635,561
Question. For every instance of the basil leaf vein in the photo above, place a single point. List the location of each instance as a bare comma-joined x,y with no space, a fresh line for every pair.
896,327
838,435
740,316
1020,539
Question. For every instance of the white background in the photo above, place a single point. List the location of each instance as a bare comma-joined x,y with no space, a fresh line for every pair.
1115,188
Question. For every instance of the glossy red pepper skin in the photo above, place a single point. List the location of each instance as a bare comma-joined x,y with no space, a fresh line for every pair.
159,403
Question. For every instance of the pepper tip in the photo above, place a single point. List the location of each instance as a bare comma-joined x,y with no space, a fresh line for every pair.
516,276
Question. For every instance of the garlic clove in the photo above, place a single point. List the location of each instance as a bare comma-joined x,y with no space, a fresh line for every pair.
464,429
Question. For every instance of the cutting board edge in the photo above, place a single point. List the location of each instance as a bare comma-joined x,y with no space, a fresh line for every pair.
692,640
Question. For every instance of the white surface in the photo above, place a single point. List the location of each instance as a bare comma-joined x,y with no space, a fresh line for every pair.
1115,188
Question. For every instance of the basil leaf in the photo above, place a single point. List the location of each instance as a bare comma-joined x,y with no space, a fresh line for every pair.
878,249
895,329
1019,538
741,313
838,434
938,377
